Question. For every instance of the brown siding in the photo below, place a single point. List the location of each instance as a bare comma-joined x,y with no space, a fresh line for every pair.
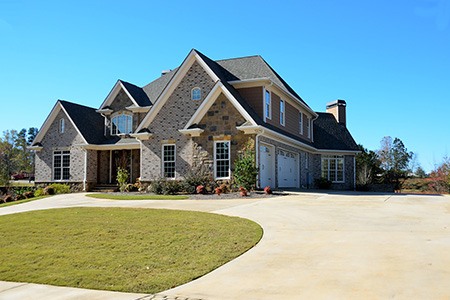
254,97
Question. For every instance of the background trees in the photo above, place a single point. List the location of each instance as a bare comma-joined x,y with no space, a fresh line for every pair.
14,154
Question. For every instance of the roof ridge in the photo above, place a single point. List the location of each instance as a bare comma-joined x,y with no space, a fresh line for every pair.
241,57
62,101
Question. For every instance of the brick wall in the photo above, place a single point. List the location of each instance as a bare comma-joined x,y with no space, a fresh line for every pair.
176,112
53,140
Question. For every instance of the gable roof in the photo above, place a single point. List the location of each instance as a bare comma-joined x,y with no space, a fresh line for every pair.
155,88
89,123
330,135
137,93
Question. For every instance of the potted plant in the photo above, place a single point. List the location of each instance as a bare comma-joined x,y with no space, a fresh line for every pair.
200,189
268,190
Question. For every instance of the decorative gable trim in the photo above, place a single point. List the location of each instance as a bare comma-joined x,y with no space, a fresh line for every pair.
49,121
209,100
113,94
172,85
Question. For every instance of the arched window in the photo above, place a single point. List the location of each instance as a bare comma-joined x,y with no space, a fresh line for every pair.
196,93
62,125
121,123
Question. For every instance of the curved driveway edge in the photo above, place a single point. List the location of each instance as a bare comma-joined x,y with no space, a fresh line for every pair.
333,246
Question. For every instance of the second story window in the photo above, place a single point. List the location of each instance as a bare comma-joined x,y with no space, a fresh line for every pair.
121,124
308,127
300,122
196,94
62,125
267,105
282,114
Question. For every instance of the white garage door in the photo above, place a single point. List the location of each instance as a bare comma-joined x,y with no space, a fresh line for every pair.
287,169
266,166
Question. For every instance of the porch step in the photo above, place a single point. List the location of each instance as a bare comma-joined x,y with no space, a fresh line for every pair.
105,188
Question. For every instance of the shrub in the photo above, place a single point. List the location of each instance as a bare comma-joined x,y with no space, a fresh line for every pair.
163,186
200,189
19,197
323,183
28,194
268,190
48,190
245,170
8,198
195,177
60,188
39,192
122,179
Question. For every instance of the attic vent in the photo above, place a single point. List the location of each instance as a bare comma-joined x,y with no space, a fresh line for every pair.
164,72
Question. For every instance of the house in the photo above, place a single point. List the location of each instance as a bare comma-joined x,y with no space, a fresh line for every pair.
199,114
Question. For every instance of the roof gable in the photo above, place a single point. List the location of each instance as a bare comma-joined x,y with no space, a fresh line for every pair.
136,94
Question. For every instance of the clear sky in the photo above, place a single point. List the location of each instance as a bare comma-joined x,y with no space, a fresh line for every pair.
390,60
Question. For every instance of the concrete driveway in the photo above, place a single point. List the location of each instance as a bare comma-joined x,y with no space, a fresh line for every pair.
315,246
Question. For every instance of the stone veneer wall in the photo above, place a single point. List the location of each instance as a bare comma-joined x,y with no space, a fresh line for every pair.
53,140
348,172
176,112
219,123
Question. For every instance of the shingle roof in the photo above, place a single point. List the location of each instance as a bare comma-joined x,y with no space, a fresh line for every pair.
329,134
155,88
88,121
137,93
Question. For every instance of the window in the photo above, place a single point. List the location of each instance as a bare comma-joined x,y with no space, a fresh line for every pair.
222,160
61,125
169,157
196,93
267,105
282,112
333,168
122,123
308,127
61,165
300,123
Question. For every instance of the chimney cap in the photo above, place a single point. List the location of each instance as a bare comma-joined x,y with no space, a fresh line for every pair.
338,102
164,72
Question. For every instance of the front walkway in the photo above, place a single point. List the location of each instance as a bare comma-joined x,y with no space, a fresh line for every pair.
333,246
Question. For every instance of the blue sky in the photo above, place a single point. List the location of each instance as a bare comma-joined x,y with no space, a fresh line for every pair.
390,60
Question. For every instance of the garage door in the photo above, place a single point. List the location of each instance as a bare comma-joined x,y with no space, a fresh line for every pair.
287,169
266,166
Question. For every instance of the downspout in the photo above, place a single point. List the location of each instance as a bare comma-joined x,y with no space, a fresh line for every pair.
257,157
85,170
354,173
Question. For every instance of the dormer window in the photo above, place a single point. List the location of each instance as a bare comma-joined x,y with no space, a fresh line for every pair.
121,124
196,94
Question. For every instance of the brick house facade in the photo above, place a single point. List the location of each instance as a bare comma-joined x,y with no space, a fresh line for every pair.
199,114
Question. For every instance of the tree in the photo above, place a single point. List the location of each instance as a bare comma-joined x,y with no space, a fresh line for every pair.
32,133
420,172
440,177
367,166
394,158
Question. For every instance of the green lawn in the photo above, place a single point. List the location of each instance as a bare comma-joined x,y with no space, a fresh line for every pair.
22,201
119,249
137,197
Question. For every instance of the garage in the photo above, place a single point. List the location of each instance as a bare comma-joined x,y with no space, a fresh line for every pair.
287,169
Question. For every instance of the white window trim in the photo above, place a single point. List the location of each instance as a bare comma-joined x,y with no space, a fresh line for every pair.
130,130
282,112
267,114
300,122
62,165
163,161
62,125
229,160
192,93
328,158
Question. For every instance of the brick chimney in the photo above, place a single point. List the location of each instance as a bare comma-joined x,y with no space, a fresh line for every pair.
338,109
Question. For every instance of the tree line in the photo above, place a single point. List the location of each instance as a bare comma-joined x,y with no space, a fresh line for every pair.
392,163
15,157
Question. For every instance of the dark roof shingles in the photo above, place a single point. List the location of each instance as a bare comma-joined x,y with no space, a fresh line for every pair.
329,134
137,93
